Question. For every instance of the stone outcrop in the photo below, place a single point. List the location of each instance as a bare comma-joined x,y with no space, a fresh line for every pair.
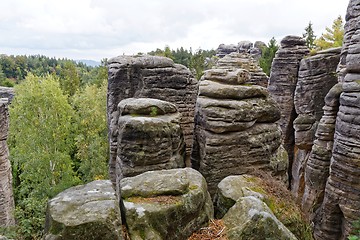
167,204
251,219
244,202
225,49
247,62
317,75
318,163
150,77
341,204
84,212
6,193
254,49
6,92
235,130
149,138
282,83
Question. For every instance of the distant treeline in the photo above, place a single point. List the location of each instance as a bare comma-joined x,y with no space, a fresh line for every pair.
14,69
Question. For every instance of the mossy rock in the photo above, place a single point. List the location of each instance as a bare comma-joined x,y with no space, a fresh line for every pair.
86,212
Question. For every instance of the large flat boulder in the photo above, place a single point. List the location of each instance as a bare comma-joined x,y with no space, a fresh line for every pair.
166,204
84,212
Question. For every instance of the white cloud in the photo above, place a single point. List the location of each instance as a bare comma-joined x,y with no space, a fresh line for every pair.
103,28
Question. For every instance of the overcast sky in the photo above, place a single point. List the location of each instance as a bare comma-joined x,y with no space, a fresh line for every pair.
96,29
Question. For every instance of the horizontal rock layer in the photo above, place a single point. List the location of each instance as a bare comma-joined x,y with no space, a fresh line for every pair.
149,137
317,75
150,77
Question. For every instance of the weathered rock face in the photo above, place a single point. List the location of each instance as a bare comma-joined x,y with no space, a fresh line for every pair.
282,83
149,138
150,77
167,204
341,205
225,49
84,212
318,163
240,201
251,219
255,50
6,193
247,62
235,130
317,74
6,92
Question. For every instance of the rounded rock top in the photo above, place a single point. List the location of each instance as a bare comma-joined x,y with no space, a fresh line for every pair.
146,107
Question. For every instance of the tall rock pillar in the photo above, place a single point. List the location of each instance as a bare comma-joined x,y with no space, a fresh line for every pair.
282,83
341,205
6,194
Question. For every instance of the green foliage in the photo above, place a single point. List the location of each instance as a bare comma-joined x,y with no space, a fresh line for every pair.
332,37
40,142
309,36
69,78
198,61
91,133
356,231
267,55
40,149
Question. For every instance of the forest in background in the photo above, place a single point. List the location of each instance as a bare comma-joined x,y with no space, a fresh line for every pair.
58,130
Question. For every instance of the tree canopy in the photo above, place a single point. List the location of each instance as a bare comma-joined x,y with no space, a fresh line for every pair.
309,36
333,37
267,55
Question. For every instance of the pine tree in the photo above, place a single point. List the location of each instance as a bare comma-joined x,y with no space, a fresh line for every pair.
267,55
309,36
332,37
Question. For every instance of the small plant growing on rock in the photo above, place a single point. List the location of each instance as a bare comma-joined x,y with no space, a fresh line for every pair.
356,231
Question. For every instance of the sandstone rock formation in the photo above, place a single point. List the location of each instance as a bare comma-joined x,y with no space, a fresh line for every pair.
6,193
318,163
282,83
225,49
84,212
149,137
151,77
235,130
255,50
251,219
317,74
242,201
167,204
6,92
247,62
341,205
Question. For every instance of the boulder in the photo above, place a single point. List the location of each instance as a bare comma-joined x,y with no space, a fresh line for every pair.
6,193
166,204
149,137
317,75
238,193
341,205
282,83
251,219
150,77
235,130
84,212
